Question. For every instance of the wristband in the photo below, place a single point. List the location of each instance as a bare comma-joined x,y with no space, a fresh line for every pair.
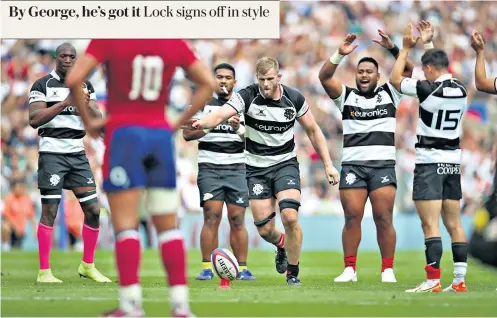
336,58
241,130
395,50
429,45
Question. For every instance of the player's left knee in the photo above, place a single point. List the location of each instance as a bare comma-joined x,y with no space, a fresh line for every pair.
382,220
89,204
289,209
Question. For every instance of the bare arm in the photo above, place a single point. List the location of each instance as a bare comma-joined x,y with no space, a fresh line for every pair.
95,111
319,143
316,137
388,44
333,87
40,114
482,83
200,74
408,42
215,118
190,134
78,73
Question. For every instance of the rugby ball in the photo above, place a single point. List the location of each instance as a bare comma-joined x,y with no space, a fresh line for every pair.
225,264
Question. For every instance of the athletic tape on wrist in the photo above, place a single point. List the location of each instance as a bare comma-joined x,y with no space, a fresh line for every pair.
336,58
429,45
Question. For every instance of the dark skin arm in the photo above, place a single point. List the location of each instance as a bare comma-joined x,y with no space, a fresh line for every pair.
40,114
95,112
190,134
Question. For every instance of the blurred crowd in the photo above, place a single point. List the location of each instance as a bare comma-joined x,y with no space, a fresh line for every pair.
310,33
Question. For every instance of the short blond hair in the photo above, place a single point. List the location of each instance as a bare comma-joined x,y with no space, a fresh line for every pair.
265,63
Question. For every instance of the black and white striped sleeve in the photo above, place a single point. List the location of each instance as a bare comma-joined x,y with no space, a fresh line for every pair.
38,92
241,100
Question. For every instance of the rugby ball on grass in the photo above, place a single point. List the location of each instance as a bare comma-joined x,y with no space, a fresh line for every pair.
225,264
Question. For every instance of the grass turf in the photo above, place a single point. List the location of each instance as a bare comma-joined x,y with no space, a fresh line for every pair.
266,296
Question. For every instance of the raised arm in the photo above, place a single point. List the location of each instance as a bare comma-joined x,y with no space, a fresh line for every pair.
408,42
332,86
482,83
387,43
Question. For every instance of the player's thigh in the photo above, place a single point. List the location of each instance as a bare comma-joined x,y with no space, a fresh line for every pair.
263,214
124,208
125,151
236,189
213,212
353,191
160,162
52,170
211,186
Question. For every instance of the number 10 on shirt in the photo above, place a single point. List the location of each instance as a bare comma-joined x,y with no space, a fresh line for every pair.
147,77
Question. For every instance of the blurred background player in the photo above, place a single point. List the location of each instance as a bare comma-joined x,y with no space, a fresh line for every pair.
369,156
437,175
483,243
18,208
270,111
140,153
221,177
62,162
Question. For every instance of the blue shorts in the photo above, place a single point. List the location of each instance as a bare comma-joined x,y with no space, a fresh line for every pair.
139,157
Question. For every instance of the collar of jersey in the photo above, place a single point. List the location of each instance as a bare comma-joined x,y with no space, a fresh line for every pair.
55,75
444,77
371,95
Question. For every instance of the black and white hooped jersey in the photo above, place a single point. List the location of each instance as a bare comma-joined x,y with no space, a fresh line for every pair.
222,145
64,133
442,105
369,125
269,132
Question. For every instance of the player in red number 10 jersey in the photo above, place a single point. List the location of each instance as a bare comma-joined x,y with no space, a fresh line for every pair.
140,152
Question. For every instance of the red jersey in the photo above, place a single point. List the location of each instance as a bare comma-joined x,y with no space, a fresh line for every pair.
139,74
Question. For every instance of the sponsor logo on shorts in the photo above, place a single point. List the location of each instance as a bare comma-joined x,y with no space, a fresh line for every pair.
291,182
240,200
447,168
207,196
90,180
384,179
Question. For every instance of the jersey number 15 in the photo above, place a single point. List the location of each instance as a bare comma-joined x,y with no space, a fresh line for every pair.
446,120
147,78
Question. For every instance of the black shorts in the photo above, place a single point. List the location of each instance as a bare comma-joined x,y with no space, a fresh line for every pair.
437,181
57,172
225,185
354,176
264,183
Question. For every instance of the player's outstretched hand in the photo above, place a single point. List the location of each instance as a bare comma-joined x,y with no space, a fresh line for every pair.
332,175
477,42
426,30
385,41
188,125
409,41
234,122
347,47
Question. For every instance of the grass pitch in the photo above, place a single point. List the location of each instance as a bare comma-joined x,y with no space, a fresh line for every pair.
266,296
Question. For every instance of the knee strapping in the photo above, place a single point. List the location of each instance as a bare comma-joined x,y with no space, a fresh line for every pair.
265,221
50,196
87,198
289,204
162,201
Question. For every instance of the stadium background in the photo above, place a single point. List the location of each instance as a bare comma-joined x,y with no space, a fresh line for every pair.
310,33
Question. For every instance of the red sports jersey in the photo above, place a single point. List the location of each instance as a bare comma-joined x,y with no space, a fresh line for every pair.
139,74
